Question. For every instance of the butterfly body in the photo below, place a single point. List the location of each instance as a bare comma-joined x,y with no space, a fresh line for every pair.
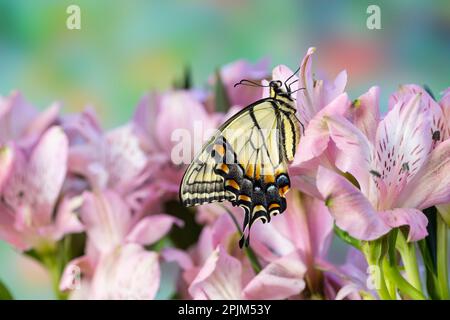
246,161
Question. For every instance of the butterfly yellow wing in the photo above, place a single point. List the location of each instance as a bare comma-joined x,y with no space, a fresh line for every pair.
246,163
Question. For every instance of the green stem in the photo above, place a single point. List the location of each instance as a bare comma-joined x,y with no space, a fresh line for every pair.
442,259
248,250
409,258
55,275
404,286
382,289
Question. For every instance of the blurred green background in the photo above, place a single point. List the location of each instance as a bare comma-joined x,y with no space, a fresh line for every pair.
126,48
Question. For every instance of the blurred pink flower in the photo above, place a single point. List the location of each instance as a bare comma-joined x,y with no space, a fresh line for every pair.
115,246
32,195
398,173
127,272
109,160
21,122
109,222
239,70
172,128
83,127
350,280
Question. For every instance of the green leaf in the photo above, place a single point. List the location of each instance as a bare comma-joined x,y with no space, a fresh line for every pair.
5,294
221,96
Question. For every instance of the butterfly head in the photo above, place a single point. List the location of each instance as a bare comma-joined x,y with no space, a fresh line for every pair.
276,87
280,92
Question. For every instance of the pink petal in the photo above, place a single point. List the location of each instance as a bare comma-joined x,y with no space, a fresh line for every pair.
127,273
219,278
43,121
355,153
182,116
123,157
270,243
179,256
402,146
405,92
47,169
282,73
366,112
303,175
35,183
307,223
82,127
280,279
67,219
74,270
144,118
351,210
106,218
17,114
8,233
238,70
317,93
152,228
427,103
316,137
438,118
431,184
6,161
413,218
305,98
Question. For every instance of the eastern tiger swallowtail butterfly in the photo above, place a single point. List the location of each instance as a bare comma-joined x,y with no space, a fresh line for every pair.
246,161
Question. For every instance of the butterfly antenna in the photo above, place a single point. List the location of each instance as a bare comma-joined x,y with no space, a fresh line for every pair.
297,90
290,77
249,83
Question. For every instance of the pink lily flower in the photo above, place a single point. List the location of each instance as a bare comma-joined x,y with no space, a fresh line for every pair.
398,173
115,246
440,124
32,195
21,122
111,160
